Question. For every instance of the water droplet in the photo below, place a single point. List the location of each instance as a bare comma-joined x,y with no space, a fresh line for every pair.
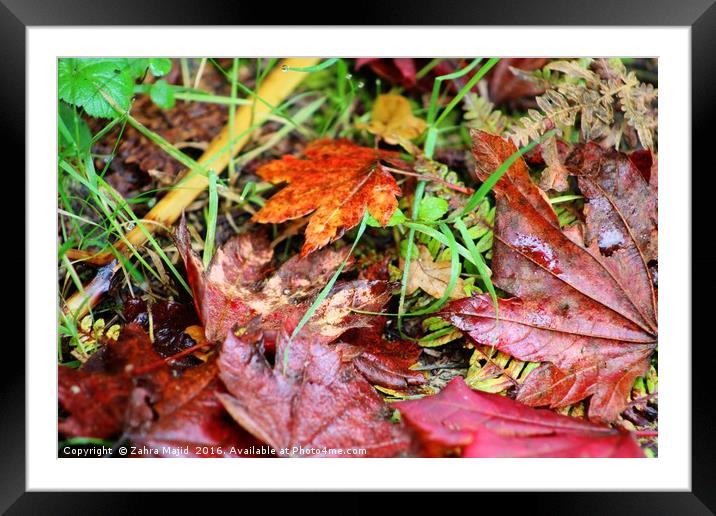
349,76
284,68
360,84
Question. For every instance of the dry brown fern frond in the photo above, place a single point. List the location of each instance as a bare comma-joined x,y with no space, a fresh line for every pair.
600,95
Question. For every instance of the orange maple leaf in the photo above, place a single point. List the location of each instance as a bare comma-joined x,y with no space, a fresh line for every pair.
337,181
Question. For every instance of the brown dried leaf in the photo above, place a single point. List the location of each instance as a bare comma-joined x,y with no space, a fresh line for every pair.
432,277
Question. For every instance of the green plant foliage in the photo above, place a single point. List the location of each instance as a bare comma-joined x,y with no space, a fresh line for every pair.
432,209
162,94
95,84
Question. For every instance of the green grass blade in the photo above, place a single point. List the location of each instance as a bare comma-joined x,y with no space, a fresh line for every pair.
465,89
478,261
418,197
211,219
316,68
455,269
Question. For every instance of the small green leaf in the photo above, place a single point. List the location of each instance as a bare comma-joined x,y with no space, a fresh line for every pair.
160,66
432,208
84,82
398,217
162,94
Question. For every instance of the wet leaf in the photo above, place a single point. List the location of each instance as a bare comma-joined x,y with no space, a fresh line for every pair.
382,362
189,415
320,402
126,388
96,397
166,322
586,311
400,70
336,183
477,424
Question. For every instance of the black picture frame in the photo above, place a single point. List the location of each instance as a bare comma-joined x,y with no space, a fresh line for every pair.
700,15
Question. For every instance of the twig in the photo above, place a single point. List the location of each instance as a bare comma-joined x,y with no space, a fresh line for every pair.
274,89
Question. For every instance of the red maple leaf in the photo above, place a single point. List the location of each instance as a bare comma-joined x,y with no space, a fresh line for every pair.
336,183
478,424
585,301
319,403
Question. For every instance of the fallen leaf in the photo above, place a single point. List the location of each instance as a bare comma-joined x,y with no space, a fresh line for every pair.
336,182
393,120
506,86
319,403
621,215
96,397
478,424
236,288
587,311
432,277
95,404
382,362
191,421
126,388
398,70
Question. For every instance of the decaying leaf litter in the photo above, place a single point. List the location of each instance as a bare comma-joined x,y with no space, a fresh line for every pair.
383,228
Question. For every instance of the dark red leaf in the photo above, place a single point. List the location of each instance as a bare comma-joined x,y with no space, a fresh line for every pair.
643,159
189,415
169,320
382,362
506,86
96,403
621,214
126,388
96,397
319,401
588,311
478,424
399,71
